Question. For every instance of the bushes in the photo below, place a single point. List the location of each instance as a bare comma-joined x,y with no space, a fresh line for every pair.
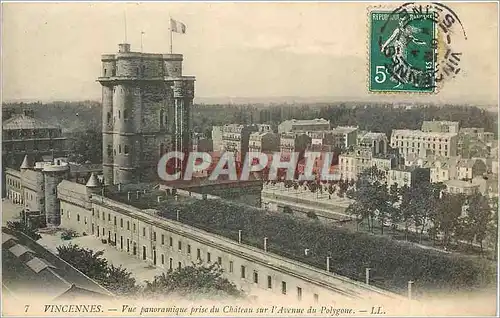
22,227
68,234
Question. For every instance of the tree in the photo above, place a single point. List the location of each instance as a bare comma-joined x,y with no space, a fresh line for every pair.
24,228
119,281
85,260
447,214
196,279
478,216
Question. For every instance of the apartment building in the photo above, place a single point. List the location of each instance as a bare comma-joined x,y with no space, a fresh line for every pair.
422,144
266,142
347,134
440,126
408,176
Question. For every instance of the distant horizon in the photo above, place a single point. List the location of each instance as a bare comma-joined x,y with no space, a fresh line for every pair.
243,100
52,51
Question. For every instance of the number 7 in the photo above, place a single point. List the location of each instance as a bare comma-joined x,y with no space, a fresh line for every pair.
26,307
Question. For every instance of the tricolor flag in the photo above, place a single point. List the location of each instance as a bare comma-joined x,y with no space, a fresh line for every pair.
176,26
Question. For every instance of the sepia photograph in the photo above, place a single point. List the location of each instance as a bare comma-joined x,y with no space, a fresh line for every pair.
244,159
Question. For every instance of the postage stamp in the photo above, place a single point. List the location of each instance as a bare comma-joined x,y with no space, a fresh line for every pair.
410,48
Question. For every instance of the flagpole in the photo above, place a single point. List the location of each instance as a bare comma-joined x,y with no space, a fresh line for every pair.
142,33
171,35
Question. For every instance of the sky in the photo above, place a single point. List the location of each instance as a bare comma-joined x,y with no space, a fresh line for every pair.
51,51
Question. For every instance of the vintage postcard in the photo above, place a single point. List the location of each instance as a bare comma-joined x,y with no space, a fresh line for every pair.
178,159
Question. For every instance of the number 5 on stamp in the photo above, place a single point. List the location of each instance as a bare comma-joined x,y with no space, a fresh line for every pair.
402,52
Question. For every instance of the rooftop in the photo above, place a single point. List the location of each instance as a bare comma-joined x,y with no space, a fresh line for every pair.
25,122
306,121
460,184
30,269
419,133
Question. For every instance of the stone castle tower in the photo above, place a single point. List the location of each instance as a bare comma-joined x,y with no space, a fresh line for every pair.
146,110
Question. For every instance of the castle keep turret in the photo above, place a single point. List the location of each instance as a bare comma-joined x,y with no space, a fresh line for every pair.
53,175
146,112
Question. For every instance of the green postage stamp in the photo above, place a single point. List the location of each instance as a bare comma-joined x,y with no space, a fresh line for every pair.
402,53
410,48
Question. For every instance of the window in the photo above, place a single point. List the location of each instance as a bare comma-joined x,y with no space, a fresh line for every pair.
283,288
255,277
109,216
126,150
119,148
189,248
154,236
121,223
119,114
85,220
219,260
269,282
62,212
171,242
108,117
114,220
198,254
231,266
163,239
243,271
128,225
162,259
316,298
110,150
125,114
180,265
209,257
133,227
78,217
143,231
170,263
299,293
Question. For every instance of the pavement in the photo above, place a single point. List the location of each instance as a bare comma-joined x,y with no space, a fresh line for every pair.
10,211
140,270
51,239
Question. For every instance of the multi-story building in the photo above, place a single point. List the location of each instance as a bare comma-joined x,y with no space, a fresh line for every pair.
327,138
235,138
442,169
371,150
146,110
294,142
441,126
348,134
34,187
266,142
411,142
478,133
295,125
408,176
217,138
467,169
201,143
169,244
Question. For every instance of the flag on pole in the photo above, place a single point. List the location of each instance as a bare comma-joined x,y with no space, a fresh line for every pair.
176,26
